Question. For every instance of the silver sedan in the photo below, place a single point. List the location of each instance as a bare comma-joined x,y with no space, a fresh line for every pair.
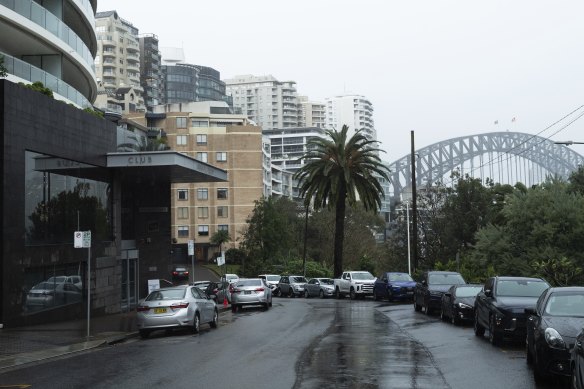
181,306
322,287
250,291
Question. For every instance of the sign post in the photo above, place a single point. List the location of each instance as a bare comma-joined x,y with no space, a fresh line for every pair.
192,254
82,239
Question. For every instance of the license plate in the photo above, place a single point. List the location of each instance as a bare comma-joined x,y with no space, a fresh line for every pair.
159,310
247,292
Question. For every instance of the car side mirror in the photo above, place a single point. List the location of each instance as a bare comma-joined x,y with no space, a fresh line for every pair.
424,283
489,292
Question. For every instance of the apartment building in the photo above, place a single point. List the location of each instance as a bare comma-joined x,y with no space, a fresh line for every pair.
207,132
353,110
57,49
311,113
150,70
266,101
117,64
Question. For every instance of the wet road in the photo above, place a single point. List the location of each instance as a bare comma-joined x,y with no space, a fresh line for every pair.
298,343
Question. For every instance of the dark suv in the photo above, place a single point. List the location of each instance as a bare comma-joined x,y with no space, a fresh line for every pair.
428,292
501,305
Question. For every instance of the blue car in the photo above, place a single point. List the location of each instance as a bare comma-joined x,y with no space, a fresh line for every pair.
394,286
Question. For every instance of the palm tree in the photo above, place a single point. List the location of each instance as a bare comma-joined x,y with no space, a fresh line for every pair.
338,170
219,238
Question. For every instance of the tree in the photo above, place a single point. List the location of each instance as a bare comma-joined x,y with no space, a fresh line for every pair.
340,170
3,70
219,238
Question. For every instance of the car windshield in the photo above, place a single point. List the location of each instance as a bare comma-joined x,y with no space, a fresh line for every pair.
468,291
251,282
565,305
363,276
520,288
231,276
273,278
445,279
326,281
58,280
45,285
400,277
166,294
297,279
180,269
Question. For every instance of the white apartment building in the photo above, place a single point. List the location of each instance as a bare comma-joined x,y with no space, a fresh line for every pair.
311,113
117,64
353,110
266,101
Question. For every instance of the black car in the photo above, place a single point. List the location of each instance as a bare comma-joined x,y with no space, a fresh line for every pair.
394,286
552,327
458,303
501,305
577,362
180,273
428,292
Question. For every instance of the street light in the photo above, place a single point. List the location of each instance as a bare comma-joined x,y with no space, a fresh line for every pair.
569,143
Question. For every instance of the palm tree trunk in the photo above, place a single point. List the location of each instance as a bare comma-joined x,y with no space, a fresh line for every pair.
339,234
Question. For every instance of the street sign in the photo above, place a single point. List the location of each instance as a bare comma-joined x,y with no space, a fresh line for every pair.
191,247
82,239
221,259
86,239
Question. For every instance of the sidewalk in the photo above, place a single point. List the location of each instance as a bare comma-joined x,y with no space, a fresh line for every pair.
35,343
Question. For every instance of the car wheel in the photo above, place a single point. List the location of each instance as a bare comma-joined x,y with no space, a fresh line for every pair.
479,330
215,322
144,334
196,323
352,295
494,336
390,295
417,307
442,316
375,296
270,303
291,293
306,295
266,306
573,378
338,293
453,319
539,376
321,294
277,292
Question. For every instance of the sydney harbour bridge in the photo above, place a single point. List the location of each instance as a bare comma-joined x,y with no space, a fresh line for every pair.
504,157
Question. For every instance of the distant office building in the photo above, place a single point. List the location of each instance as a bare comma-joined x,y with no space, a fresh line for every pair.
56,49
268,102
150,70
353,110
207,132
117,63
311,113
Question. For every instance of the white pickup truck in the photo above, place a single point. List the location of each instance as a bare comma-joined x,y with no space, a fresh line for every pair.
357,284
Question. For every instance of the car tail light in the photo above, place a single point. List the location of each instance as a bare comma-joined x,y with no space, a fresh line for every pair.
230,288
259,289
142,308
186,273
235,290
174,273
179,305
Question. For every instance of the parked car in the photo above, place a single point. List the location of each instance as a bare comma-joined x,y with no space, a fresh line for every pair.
272,280
500,306
458,303
231,278
67,280
577,362
250,291
176,307
428,292
322,287
291,286
218,291
180,273
394,286
552,327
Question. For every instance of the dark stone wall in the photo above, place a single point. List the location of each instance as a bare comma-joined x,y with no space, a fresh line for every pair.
32,121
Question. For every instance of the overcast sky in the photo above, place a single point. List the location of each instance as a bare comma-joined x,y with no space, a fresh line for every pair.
443,69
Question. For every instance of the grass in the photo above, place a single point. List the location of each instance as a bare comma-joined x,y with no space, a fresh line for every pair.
219,270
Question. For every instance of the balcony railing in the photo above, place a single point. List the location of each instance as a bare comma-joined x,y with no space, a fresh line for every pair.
31,73
39,15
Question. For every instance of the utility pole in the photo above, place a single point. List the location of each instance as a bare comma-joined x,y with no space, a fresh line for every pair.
414,207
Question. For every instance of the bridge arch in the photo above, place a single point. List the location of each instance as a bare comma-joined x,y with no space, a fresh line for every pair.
504,152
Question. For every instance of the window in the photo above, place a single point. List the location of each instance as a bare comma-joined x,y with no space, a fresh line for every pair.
181,140
222,193
223,227
182,213
201,157
222,211
181,122
204,230
183,231
183,194
203,212
201,139
221,156
202,194
199,123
